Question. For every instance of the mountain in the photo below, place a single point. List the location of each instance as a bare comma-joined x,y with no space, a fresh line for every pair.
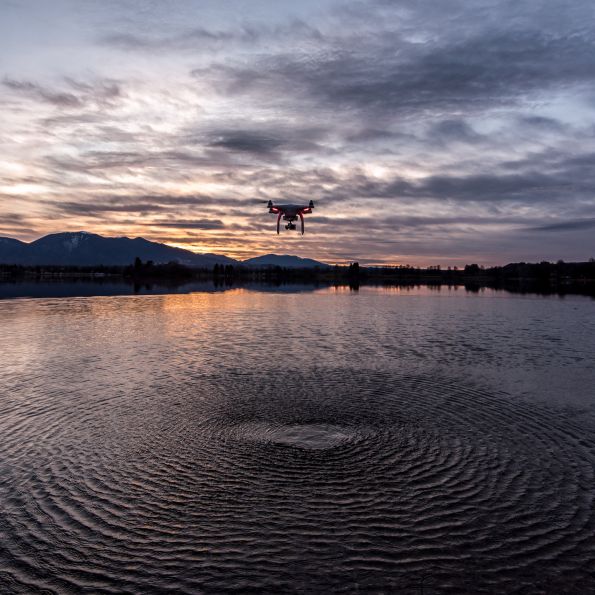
285,260
88,249
11,251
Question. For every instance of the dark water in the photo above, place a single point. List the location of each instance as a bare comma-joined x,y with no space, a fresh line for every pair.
333,441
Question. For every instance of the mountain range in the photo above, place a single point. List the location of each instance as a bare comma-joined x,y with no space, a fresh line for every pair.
89,249
284,260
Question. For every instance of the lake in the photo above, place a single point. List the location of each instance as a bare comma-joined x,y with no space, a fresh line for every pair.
388,439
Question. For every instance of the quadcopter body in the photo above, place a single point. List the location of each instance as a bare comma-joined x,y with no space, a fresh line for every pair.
290,213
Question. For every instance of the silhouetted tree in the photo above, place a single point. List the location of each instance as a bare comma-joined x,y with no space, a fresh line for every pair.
353,269
472,269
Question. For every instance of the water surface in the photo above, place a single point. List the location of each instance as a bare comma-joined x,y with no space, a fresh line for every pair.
380,440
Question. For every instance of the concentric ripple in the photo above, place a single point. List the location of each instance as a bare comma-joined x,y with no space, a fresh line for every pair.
305,436
348,480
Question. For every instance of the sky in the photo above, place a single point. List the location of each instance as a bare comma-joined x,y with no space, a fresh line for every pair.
425,132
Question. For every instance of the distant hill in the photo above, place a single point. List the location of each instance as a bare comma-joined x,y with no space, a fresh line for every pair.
88,249
285,260
12,251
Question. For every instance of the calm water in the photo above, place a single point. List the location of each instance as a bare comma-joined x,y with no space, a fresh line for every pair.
382,440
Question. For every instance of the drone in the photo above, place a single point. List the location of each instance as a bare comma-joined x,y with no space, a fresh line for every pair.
290,213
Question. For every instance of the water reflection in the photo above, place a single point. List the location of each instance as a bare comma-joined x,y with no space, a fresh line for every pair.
318,440
82,288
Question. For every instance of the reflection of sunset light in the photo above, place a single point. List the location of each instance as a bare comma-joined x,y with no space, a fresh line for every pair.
206,301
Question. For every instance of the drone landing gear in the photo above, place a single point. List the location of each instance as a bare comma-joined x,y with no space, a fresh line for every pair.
290,226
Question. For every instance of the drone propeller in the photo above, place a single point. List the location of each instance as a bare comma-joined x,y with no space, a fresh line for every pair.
268,203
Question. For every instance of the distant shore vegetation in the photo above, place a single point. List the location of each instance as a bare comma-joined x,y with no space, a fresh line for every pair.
579,276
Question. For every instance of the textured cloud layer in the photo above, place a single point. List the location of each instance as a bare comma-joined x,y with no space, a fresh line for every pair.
426,132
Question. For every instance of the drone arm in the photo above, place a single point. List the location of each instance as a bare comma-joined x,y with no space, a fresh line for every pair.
278,220
302,220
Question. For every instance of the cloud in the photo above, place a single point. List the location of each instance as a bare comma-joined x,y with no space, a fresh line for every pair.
15,224
191,39
77,95
423,128
566,225
270,140
38,92
542,122
246,142
187,224
102,163
95,209
388,75
454,130
527,187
